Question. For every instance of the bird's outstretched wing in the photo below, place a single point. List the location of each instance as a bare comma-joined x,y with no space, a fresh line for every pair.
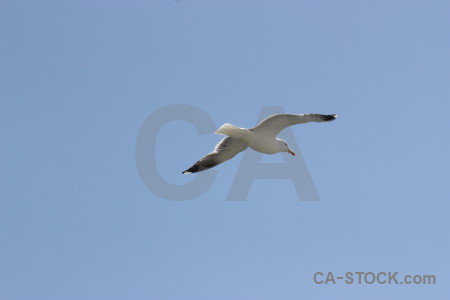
226,149
272,125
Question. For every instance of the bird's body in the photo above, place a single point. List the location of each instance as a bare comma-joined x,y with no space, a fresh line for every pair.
254,139
261,138
261,143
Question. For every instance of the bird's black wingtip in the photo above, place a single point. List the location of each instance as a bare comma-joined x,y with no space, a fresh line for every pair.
194,169
329,117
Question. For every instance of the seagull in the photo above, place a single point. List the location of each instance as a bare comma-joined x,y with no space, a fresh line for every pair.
261,138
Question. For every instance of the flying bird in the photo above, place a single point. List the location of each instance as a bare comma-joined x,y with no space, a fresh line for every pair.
261,138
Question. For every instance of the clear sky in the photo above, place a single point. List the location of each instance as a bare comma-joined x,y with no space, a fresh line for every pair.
78,79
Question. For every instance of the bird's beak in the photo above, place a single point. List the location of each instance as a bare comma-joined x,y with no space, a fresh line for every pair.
291,152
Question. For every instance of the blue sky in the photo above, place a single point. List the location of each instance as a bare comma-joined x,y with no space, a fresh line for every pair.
78,79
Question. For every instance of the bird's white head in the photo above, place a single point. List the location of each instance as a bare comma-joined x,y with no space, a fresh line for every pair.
283,147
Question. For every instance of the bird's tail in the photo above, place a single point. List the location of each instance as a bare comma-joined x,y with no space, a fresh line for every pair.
233,131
